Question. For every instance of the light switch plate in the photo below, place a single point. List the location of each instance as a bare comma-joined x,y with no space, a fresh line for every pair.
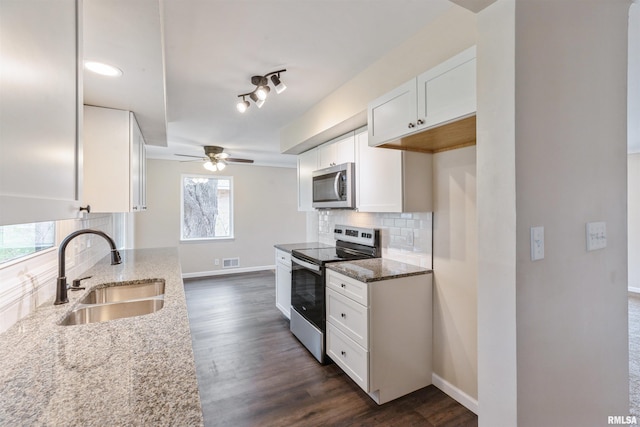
596,235
537,243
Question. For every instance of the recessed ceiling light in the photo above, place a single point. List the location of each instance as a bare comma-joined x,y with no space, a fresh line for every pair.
102,69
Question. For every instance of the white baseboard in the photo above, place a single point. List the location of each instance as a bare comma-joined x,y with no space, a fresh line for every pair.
634,290
227,271
455,393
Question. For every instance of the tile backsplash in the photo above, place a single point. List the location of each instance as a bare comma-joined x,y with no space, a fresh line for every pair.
406,237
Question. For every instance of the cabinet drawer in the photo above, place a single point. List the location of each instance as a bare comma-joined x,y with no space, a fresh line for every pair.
283,257
353,359
351,288
349,316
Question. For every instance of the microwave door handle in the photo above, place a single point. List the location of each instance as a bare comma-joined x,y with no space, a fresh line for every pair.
336,186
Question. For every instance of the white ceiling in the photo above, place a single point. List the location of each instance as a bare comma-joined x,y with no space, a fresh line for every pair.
213,47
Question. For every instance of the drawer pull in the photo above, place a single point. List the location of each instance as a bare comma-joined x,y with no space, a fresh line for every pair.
344,353
343,285
343,315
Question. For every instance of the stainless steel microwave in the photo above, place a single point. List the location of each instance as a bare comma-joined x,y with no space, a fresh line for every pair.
334,187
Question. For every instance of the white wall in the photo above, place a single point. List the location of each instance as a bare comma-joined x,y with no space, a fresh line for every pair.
569,151
30,282
496,195
633,112
633,215
455,262
265,213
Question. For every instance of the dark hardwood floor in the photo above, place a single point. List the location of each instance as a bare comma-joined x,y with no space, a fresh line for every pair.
253,372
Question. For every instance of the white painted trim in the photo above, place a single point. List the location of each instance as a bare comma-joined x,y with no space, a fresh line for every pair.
227,271
455,393
634,290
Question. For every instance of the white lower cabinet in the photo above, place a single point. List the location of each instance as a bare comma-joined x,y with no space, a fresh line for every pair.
381,341
283,282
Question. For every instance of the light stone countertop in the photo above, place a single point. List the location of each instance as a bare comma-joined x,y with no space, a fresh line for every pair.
125,372
288,247
376,269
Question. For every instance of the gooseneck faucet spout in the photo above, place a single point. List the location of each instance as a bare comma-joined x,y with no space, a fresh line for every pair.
61,288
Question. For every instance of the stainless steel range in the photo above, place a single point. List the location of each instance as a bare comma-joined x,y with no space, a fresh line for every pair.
308,282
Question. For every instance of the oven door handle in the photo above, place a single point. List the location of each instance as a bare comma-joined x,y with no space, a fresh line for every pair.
305,264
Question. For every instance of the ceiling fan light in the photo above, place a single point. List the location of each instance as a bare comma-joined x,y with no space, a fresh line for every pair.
260,103
277,83
210,166
221,165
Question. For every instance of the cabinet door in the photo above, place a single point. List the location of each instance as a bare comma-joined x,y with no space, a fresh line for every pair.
107,153
378,178
448,91
143,174
349,316
326,156
346,353
283,283
393,115
337,151
135,164
307,163
40,111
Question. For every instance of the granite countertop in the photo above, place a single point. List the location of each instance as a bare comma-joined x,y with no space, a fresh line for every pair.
288,247
133,371
376,269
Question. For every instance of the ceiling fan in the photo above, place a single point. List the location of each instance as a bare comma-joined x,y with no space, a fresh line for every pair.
215,159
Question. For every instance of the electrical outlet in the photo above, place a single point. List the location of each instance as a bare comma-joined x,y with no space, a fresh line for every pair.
217,261
537,243
596,235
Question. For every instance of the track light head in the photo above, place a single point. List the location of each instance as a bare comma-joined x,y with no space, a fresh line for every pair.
242,105
277,83
262,92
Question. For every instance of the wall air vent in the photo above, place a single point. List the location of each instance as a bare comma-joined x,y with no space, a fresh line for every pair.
230,262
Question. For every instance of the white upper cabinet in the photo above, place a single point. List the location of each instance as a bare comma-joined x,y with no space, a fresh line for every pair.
442,94
337,151
307,163
114,161
40,111
389,180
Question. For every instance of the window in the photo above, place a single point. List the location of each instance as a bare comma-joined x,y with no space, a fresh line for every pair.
17,241
207,207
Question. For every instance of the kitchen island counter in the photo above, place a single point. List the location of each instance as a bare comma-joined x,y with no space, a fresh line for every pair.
133,371
376,269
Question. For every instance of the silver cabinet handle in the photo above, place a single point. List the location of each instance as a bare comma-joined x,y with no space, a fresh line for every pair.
411,125
420,121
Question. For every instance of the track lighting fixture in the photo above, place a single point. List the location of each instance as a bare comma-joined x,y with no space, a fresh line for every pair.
260,93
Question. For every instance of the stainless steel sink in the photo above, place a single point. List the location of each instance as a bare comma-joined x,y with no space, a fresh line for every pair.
103,312
121,292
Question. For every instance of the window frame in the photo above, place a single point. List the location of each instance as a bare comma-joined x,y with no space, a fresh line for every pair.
231,235
25,258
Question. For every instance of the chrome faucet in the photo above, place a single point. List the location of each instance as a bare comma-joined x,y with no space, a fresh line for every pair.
61,289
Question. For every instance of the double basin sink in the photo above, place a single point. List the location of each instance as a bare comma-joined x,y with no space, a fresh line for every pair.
117,301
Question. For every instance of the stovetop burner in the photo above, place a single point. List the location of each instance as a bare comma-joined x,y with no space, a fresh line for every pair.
351,243
324,255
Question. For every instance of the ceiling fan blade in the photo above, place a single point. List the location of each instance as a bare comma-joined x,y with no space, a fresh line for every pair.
231,159
188,155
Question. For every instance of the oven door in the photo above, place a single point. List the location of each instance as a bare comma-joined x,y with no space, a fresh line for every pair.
307,291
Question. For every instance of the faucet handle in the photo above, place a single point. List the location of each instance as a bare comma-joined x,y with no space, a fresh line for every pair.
75,285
